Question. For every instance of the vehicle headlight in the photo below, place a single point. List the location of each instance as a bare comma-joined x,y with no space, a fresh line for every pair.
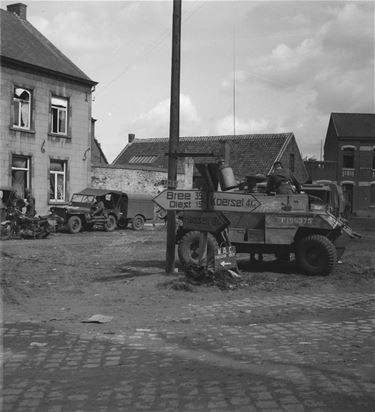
317,207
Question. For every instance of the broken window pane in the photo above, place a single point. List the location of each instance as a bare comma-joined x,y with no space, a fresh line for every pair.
21,108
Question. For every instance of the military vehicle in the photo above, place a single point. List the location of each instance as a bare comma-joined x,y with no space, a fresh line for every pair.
299,224
120,209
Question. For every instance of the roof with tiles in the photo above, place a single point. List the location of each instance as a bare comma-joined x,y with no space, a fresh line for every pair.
21,43
357,125
249,154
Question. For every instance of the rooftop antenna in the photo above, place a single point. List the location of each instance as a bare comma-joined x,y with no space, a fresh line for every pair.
234,79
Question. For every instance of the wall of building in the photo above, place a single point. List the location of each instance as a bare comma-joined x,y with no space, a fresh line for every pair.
330,144
321,170
143,180
299,170
39,144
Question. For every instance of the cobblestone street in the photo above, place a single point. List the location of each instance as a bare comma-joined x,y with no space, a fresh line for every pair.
236,355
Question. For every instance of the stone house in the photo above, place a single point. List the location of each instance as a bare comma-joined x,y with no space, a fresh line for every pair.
349,159
45,114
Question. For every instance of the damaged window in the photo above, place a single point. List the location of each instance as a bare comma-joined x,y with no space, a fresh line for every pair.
59,111
21,108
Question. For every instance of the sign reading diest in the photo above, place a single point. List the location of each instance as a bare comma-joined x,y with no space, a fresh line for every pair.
200,200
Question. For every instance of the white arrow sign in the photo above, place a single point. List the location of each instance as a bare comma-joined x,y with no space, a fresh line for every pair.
200,200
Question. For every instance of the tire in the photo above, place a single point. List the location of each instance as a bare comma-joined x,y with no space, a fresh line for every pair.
122,223
138,222
88,226
162,214
74,224
6,231
111,224
188,248
316,255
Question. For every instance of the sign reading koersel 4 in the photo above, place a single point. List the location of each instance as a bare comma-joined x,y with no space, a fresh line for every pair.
201,200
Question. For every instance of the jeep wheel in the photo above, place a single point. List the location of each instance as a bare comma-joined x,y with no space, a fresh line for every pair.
6,231
316,255
122,223
138,222
110,224
188,248
74,224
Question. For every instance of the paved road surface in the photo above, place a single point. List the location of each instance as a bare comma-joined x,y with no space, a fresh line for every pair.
279,353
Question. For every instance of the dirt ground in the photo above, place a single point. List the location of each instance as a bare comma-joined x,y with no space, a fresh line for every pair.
65,279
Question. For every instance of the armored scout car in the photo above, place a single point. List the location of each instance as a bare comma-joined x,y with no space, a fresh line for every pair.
273,224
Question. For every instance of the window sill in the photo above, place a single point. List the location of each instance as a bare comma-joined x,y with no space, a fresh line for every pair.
57,202
20,129
59,135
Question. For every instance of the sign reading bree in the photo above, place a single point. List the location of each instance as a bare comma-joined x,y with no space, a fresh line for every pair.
199,200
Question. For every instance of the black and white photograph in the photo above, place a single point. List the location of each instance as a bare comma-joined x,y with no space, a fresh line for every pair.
187,192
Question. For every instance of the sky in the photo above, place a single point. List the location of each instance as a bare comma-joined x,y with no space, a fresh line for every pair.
247,67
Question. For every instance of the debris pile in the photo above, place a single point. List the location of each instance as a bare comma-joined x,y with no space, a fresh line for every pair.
223,279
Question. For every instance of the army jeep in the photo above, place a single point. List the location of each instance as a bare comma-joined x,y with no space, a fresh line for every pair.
120,209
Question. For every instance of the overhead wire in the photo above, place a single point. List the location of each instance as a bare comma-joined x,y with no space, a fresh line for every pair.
164,35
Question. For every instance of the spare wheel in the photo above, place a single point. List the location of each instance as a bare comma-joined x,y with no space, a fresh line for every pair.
188,248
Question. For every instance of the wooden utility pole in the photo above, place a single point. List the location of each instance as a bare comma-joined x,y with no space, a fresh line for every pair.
174,132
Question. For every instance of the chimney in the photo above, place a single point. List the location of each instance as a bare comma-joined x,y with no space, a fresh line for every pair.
19,9
131,137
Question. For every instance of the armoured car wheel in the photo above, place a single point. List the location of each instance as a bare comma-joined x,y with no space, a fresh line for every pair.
316,255
111,224
138,222
74,224
188,248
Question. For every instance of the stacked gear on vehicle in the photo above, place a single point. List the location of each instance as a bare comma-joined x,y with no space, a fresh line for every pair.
278,224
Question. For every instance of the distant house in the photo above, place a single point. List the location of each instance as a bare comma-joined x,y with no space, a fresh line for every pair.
45,114
349,159
249,154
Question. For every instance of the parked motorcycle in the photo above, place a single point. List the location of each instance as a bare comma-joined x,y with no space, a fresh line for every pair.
18,225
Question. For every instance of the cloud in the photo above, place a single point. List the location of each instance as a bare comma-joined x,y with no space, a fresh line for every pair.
226,125
72,31
344,42
155,122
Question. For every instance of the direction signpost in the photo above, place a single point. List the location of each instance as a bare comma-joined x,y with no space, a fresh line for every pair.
204,215
201,200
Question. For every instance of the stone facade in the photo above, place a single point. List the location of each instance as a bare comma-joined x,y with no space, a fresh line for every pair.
38,144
